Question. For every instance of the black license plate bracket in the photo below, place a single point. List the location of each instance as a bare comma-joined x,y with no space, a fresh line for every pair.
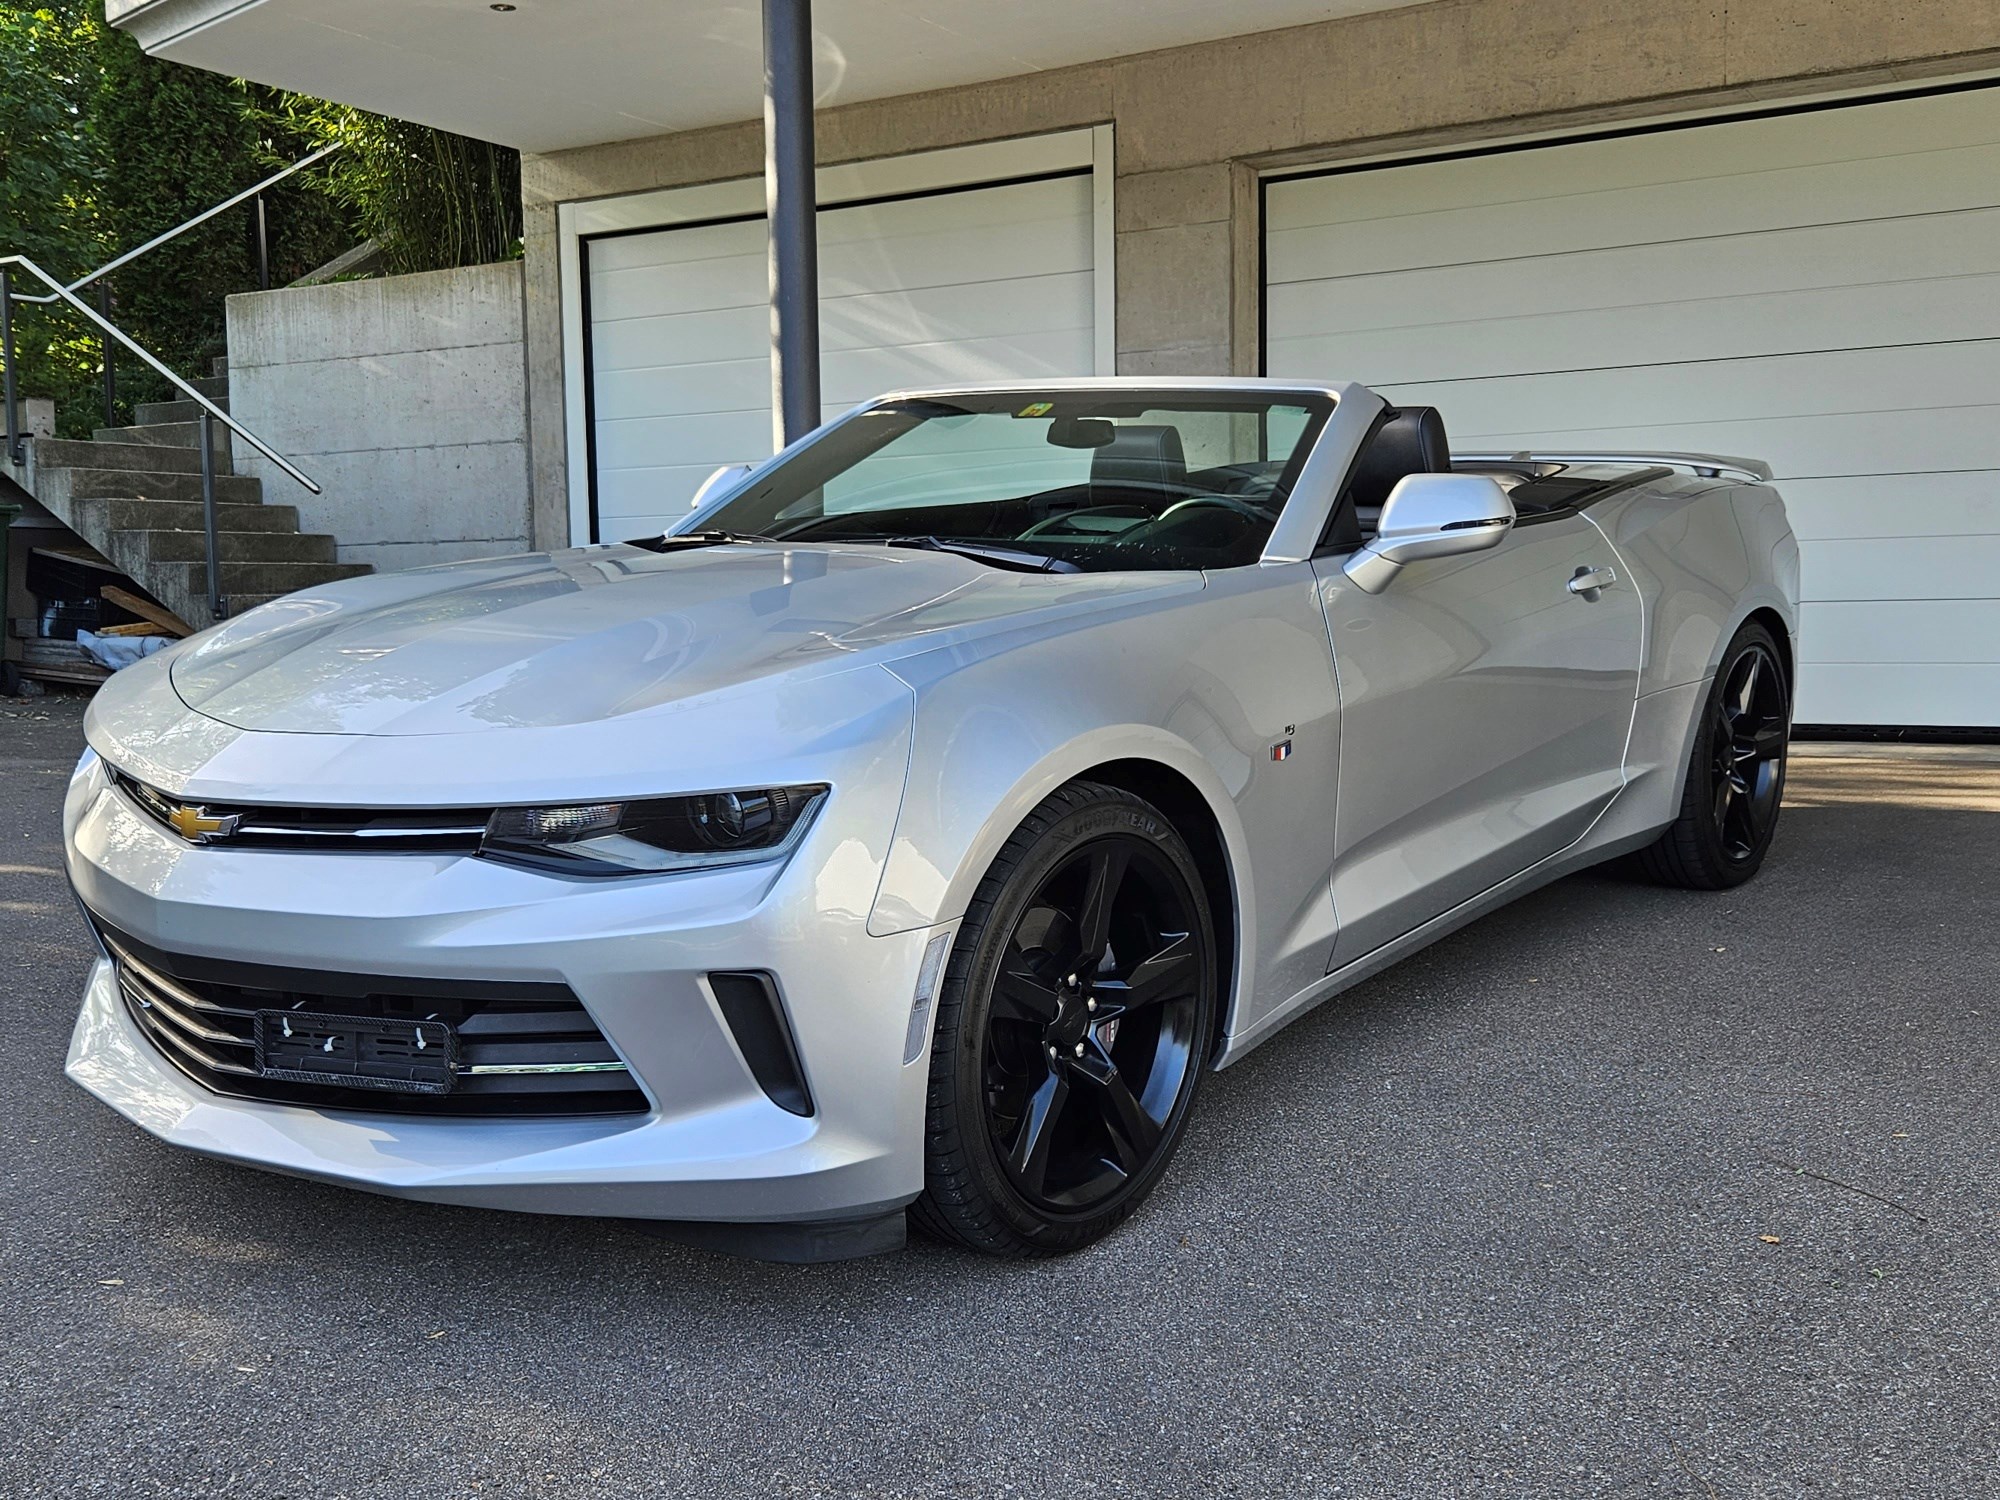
363,1052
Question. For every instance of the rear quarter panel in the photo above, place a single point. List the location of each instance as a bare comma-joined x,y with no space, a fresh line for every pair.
1704,554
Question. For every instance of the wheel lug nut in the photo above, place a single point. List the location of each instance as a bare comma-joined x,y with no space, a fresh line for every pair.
1090,1005
1079,1049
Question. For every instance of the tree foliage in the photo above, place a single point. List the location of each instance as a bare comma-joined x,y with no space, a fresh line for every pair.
103,147
175,141
429,198
49,177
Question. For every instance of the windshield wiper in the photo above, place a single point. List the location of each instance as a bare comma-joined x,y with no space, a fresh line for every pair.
999,557
713,537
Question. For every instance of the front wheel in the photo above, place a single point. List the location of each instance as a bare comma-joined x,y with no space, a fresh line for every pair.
1736,775
1073,1027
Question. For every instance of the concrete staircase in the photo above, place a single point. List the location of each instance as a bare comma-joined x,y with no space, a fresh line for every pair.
134,493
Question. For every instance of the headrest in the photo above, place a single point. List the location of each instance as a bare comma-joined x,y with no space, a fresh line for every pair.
1146,456
1410,442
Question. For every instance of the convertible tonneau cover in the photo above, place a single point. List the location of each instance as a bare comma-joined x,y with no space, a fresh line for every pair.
1707,465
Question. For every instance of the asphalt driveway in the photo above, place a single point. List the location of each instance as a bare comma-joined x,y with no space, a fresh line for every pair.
1621,1191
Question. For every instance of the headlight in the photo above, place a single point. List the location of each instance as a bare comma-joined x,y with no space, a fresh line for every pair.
671,833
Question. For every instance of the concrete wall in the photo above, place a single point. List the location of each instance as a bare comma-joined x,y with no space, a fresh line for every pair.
1194,125
404,397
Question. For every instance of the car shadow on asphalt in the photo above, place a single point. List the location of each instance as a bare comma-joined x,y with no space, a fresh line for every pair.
1435,1025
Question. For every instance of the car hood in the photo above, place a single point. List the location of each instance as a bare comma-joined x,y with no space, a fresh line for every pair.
598,632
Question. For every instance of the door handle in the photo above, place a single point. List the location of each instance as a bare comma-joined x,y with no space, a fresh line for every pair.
1589,583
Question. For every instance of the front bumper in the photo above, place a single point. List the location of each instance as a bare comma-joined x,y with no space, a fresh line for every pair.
711,1147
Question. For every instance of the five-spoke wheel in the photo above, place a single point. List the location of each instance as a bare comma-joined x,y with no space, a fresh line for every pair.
1736,776
1090,1037
1747,744
1073,1027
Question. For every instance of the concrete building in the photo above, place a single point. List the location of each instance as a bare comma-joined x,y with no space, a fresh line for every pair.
1766,227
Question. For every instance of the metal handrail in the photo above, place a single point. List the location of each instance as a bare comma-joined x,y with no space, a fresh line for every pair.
180,229
112,330
210,413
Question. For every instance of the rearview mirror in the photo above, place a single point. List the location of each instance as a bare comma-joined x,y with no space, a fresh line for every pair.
722,479
1431,515
1082,432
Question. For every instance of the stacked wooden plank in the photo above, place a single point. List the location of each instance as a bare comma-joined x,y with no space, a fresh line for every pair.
45,659
59,661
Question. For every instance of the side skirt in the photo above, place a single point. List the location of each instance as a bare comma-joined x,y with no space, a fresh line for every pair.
1366,967
1658,746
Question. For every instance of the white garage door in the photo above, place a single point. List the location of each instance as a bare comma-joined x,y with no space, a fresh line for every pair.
981,283
1820,290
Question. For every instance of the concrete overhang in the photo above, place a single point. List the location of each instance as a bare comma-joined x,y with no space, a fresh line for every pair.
545,75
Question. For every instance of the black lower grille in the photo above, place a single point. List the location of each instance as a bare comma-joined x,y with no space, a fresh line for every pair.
519,1049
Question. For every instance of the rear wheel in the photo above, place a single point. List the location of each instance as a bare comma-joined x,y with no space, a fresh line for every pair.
1073,1028
1736,776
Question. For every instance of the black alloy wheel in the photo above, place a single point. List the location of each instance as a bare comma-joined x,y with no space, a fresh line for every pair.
1736,778
1073,1028
1747,751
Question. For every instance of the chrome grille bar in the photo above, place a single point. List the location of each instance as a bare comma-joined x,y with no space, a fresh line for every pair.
204,1020
324,830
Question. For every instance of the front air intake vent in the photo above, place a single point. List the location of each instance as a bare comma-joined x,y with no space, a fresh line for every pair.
442,1047
756,1017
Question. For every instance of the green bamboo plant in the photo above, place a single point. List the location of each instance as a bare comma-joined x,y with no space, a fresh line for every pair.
103,147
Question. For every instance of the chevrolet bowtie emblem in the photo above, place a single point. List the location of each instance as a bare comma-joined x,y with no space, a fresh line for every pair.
198,826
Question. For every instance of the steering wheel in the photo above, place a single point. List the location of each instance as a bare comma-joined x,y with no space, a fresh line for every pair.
1169,529
1226,502
1060,525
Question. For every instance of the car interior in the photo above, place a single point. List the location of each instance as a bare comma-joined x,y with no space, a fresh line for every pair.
1141,506
1411,440
1139,494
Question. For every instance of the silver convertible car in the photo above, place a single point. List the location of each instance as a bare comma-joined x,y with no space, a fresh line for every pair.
907,833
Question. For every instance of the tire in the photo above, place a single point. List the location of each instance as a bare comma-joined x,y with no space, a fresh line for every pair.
1059,1088
1736,773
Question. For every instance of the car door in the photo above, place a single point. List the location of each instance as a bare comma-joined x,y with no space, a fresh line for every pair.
1485,706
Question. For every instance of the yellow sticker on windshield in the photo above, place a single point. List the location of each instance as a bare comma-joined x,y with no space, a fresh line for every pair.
1036,409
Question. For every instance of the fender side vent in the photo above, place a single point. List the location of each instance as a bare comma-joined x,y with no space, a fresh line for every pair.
756,1018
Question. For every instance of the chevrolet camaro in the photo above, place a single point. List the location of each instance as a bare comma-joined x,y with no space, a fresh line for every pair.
905,834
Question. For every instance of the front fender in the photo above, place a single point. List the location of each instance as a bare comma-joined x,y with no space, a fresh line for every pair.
1231,690
953,825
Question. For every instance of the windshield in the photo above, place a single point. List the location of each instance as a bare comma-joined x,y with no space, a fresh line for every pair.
1096,479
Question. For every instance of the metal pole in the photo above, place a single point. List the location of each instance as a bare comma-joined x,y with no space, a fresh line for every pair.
791,201
110,371
14,454
218,607
263,245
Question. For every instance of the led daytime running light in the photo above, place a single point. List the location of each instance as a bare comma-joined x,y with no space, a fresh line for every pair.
654,836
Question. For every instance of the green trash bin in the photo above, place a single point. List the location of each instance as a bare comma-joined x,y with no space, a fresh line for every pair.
10,676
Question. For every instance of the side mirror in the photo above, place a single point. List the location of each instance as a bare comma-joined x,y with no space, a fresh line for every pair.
1431,515
722,479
